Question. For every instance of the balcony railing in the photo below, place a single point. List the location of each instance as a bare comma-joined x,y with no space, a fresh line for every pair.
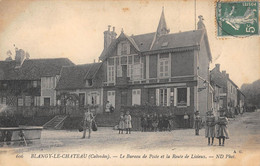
155,80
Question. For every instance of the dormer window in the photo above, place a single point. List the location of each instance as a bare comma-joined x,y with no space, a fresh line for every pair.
89,82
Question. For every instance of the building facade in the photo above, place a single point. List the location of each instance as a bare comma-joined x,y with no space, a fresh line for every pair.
228,91
30,82
81,85
165,70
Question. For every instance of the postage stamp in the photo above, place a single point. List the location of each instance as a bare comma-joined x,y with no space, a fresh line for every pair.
237,18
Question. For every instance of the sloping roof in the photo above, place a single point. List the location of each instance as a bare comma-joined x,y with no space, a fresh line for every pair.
74,77
177,40
33,69
143,42
217,77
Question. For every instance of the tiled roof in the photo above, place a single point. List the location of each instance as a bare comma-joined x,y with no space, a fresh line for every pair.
143,43
74,77
32,69
178,40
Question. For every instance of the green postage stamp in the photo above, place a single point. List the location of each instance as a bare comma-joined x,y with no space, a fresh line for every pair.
237,18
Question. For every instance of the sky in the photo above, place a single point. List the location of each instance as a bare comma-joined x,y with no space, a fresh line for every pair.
74,29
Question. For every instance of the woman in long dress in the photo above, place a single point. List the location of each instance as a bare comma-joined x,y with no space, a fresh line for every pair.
210,127
222,130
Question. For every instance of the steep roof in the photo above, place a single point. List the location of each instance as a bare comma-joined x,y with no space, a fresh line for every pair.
144,43
74,77
32,69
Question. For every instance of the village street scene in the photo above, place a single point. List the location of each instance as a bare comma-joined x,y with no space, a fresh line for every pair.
131,89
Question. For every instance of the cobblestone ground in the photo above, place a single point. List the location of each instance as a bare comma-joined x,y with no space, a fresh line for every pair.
244,138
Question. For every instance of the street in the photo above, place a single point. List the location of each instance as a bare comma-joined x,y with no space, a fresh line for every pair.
105,143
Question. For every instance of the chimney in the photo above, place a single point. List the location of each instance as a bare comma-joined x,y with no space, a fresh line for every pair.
200,23
224,72
227,75
109,36
19,57
113,34
217,67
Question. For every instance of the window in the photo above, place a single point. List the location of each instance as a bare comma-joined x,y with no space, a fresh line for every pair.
37,100
3,100
46,101
136,97
135,67
28,101
164,65
123,48
34,83
163,97
111,74
182,96
93,98
81,99
111,97
20,101
89,82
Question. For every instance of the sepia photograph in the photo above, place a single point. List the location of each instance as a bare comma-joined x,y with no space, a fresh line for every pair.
120,82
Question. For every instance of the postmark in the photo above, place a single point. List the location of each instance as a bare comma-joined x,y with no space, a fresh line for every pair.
237,18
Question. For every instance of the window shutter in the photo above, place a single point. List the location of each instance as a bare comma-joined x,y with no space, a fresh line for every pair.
157,97
175,96
98,99
89,99
128,49
119,48
188,96
168,96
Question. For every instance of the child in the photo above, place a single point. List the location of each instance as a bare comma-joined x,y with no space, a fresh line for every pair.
128,123
210,127
121,125
222,131
197,123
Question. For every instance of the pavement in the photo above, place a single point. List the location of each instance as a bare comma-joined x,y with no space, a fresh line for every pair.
244,137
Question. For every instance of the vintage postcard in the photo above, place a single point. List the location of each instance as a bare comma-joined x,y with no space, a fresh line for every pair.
143,82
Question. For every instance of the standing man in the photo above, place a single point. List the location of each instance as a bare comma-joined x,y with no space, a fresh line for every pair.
186,120
87,123
197,123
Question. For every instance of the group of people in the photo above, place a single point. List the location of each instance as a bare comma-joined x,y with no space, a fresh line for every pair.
216,128
153,122
125,123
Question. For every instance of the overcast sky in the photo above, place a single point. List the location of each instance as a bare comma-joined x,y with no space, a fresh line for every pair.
74,29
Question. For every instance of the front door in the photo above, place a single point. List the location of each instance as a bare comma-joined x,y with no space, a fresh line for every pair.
123,98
